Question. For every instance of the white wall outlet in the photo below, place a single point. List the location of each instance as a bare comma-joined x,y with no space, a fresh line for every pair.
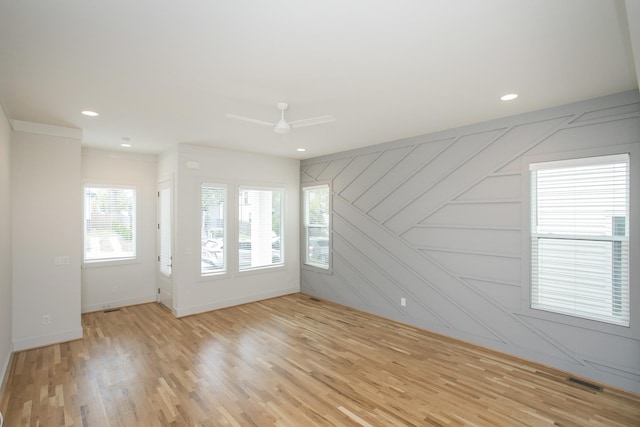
403,302
61,260
46,319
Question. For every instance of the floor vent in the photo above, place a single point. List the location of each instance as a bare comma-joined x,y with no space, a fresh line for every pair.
592,386
111,310
314,299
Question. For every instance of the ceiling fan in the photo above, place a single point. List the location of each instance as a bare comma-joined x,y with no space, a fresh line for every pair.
283,126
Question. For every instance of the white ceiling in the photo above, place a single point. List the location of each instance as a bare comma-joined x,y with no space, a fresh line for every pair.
163,72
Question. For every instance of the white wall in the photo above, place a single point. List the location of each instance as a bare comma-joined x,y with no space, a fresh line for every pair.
109,284
193,294
46,213
6,345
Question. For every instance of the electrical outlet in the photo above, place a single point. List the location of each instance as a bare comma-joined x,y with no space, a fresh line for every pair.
403,302
61,260
46,319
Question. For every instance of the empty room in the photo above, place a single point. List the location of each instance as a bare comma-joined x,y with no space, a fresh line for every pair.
319,213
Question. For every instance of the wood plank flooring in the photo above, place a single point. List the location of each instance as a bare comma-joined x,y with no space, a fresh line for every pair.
288,361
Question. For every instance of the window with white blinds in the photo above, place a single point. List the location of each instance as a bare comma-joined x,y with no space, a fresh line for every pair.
315,205
109,223
260,241
213,201
580,238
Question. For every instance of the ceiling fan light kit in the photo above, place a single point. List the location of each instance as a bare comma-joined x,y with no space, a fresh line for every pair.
283,127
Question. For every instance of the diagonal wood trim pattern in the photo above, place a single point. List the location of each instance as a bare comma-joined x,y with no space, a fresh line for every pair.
288,361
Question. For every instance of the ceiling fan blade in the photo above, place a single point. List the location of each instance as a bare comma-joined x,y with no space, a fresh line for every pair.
249,119
312,121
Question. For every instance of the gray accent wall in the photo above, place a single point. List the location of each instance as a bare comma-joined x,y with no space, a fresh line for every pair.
442,221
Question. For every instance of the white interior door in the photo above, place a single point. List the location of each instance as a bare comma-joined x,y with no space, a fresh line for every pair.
165,244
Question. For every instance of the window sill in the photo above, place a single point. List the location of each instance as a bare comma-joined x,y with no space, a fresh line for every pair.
214,276
316,269
579,322
262,269
109,263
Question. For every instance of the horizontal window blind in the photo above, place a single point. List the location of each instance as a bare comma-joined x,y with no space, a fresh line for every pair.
109,223
316,225
580,238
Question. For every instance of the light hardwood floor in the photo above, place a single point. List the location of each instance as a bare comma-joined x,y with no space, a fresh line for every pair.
288,361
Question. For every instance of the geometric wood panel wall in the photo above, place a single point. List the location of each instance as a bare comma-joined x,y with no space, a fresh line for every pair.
438,220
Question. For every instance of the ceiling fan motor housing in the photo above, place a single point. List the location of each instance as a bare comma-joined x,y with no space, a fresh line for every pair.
282,127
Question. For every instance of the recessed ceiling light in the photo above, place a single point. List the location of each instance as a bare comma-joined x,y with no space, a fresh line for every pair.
509,97
301,149
126,142
125,145
90,113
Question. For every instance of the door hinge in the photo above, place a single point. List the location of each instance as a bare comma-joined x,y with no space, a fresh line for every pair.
158,258
158,291
158,226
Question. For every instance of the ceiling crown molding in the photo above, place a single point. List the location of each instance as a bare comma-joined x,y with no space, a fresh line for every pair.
42,129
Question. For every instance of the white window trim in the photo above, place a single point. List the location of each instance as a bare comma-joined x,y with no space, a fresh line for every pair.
633,330
541,239
98,263
303,238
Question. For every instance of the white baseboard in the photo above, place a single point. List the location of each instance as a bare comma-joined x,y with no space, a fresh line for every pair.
4,371
35,342
118,303
187,311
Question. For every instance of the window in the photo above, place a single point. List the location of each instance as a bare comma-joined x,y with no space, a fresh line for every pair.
580,238
212,228
316,225
164,230
109,223
260,228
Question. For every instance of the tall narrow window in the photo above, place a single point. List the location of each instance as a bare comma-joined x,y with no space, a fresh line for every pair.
109,223
580,238
213,201
316,225
260,241
164,230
